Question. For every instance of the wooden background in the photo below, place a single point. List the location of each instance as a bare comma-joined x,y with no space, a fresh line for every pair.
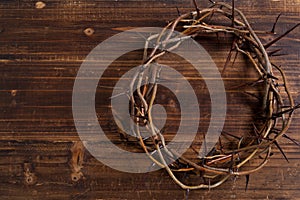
40,53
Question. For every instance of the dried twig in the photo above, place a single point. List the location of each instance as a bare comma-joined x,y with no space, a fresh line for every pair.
220,164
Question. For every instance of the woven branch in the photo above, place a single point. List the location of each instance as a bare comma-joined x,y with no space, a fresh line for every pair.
218,166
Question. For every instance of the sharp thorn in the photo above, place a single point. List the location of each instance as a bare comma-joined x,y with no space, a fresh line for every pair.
146,138
253,95
275,23
291,109
229,56
152,165
247,181
260,80
277,145
117,95
273,52
221,145
187,194
285,106
280,37
256,131
233,9
292,140
271,76
227,61
152,153
280,54
197,9
205,147
160,80
231,135
235,57
218,38
178,11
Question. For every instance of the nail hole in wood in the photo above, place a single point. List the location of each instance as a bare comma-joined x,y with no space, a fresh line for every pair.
89,31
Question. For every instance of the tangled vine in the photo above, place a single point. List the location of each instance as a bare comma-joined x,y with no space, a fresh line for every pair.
278,104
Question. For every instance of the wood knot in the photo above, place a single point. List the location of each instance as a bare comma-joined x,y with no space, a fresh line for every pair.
76,176
89,31
76,161
29,177
40,5
13,93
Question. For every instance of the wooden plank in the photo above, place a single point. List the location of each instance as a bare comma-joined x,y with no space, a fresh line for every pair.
41,51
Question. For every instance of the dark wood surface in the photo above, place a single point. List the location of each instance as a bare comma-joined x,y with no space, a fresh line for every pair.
41,51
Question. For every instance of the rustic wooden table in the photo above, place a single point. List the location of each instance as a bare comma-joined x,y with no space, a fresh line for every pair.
41,49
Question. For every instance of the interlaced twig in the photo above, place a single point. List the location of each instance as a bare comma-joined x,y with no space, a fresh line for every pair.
222,163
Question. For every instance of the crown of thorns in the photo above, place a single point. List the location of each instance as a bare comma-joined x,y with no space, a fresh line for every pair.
278,105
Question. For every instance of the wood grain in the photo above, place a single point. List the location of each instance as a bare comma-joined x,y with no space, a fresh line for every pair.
41,51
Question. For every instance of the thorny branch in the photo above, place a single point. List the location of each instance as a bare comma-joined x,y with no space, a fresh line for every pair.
222,164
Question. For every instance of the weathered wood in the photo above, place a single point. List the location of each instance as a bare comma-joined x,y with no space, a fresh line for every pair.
41,51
